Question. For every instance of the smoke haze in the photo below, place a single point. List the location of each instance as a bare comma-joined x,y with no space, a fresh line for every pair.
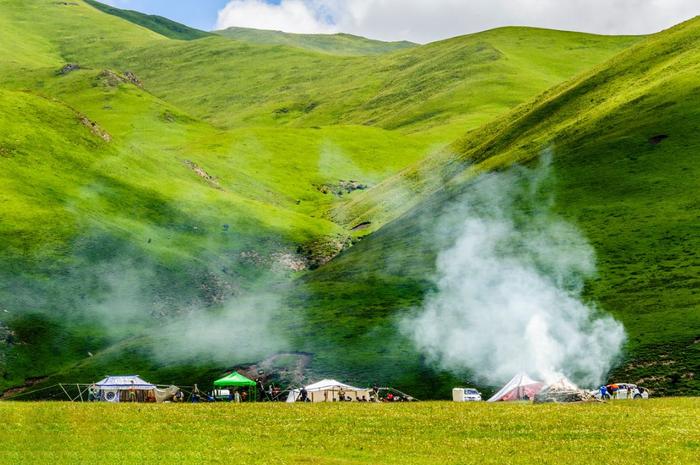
508,294
244,329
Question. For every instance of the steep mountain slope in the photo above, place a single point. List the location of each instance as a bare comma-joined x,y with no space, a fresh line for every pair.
624,139
334,44
161,25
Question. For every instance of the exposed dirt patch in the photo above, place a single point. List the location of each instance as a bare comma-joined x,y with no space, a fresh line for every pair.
111,79
286,369
201,172
341,188
283,260
216,290
651,380
68,68
132,78
362,226
289,261
657,139
6,152
322,251
7,336
95,128
28,383
654,363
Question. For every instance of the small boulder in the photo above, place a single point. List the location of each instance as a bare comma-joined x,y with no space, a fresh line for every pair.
68,68
657,139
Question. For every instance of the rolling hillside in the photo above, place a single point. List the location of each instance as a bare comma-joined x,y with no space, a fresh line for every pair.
158,24
333,44
152,176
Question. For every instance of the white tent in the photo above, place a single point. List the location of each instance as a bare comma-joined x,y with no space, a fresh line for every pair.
117,388
521,387
329,390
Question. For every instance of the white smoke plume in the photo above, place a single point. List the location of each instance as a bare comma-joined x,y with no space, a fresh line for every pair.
508,292
246,328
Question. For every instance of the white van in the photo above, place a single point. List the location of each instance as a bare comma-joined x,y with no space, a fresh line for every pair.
466,395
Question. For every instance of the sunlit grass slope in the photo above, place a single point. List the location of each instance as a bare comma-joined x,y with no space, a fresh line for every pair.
156,23
654,432
334,44
445,86
624,139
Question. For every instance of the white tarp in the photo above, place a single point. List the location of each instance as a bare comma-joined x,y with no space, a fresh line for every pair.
521,387
124,382
326,385
564,384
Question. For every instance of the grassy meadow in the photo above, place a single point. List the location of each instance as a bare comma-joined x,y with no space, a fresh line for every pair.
660,431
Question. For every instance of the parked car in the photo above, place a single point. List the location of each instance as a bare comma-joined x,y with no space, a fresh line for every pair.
466,395
622,391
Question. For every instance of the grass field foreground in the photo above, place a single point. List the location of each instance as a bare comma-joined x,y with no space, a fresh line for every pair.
661,431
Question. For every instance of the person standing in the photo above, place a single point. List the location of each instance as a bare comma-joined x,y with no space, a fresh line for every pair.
132,392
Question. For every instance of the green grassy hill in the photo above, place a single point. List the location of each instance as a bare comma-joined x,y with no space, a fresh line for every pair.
624,140
145,177
161,25
333,44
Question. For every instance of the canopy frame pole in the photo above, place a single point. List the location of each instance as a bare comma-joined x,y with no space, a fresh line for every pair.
65,392
85,389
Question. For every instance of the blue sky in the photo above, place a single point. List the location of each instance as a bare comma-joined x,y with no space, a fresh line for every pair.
201,14
422,20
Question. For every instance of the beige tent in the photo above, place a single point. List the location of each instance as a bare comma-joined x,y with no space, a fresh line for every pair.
330,390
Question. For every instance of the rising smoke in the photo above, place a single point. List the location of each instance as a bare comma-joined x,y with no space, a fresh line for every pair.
508,289
246,328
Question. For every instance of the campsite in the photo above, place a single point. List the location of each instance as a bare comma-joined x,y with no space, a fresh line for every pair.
125,419
350,232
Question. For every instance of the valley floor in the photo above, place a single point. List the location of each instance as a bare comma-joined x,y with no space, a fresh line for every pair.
659,431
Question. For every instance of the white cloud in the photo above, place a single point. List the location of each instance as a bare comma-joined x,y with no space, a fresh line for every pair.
290,16
428,20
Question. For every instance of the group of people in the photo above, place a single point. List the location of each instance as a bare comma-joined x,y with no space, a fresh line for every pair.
341,395
238,396
614,391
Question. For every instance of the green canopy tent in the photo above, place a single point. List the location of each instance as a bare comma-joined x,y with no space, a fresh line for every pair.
238,380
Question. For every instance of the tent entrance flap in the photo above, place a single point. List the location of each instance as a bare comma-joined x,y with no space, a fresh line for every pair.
521,387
